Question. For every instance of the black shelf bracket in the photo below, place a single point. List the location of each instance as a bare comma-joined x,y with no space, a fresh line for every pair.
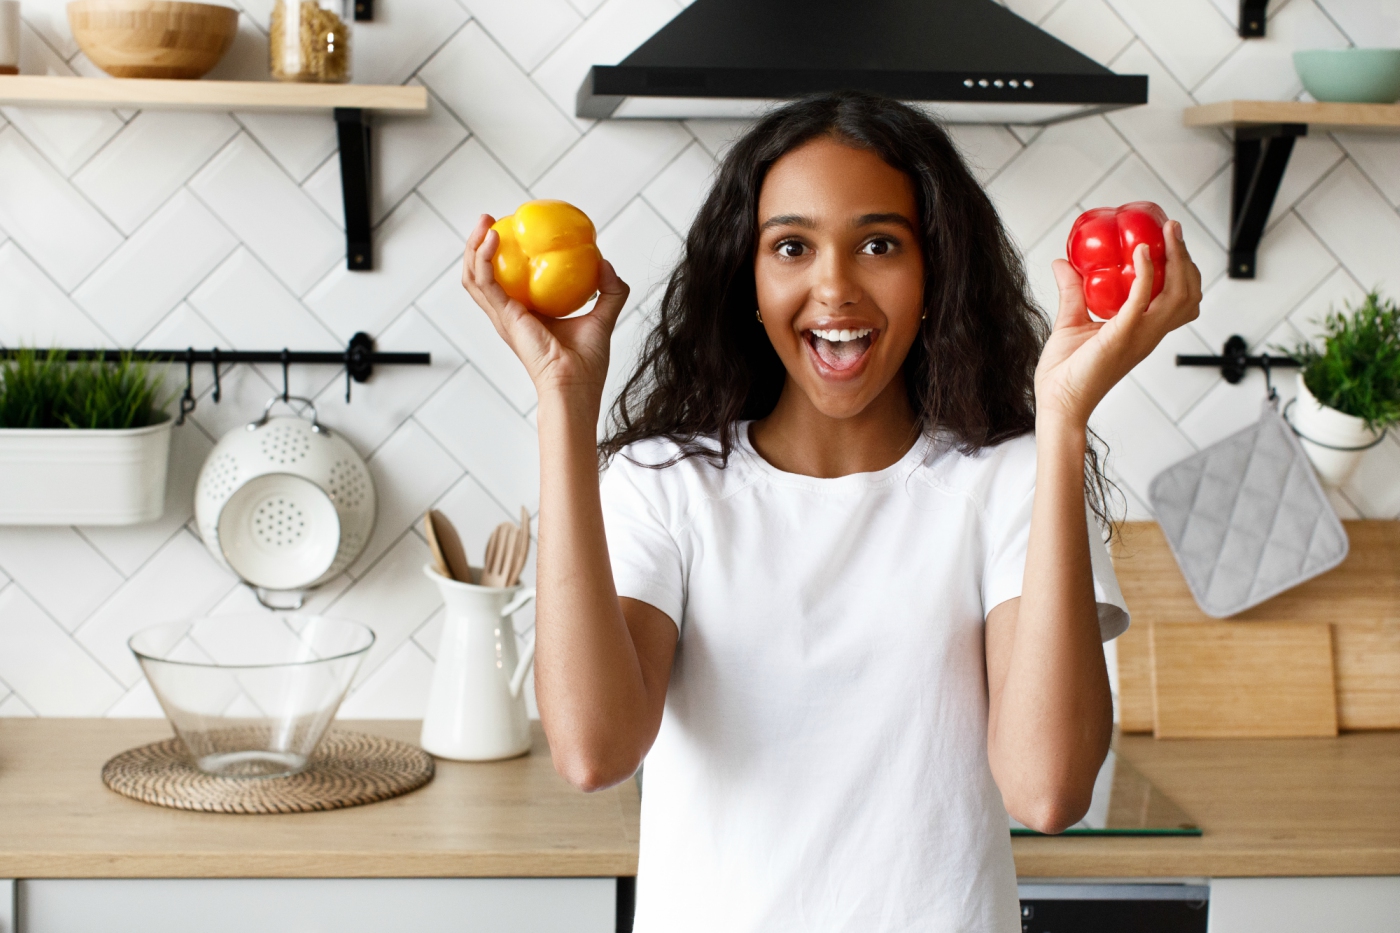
1261,155
1252,18
1236,359
359,359
353,131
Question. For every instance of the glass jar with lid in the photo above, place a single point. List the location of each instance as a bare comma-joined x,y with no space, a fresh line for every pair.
309,40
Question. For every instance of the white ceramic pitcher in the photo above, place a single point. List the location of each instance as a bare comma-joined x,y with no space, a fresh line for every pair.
476,708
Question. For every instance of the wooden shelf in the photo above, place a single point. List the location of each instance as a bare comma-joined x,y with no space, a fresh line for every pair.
144,94
1265,131
347,102
209,95
1259,112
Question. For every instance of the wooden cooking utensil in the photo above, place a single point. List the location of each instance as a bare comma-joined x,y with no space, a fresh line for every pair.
522,548
497,562
449,557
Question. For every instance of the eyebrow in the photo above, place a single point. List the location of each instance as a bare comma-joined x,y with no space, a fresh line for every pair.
864,220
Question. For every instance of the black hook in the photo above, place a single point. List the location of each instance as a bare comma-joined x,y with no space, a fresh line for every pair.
214,358
286,362
187,400
1268,376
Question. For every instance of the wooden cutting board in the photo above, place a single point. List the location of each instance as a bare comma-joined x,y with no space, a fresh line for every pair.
1359,600
1263,680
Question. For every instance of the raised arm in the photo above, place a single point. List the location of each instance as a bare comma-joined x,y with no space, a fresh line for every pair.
601,664
1051,713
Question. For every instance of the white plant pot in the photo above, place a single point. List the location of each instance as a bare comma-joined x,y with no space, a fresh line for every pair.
1318,425
68,476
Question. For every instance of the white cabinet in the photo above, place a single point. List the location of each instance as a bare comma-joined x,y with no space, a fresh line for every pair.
7,906
1304,905
314,905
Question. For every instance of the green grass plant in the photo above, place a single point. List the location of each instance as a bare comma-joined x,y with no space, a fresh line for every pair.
1357,368
47,390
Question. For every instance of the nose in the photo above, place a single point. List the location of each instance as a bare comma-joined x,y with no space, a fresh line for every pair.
835,285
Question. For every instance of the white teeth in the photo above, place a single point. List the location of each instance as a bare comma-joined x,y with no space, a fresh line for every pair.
841,336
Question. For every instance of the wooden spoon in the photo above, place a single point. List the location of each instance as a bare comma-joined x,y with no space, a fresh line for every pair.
449,557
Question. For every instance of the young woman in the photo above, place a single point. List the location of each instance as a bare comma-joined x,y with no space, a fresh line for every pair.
839,586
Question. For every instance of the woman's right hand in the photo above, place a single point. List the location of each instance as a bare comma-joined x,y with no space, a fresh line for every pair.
568,355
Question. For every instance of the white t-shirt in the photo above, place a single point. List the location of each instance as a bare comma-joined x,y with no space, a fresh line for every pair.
822,759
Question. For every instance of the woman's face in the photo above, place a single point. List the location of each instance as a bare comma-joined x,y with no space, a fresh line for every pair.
840,273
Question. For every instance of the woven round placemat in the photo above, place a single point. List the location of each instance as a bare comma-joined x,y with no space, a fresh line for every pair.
347,770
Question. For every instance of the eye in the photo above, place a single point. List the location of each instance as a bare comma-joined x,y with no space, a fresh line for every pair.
879,246
791,249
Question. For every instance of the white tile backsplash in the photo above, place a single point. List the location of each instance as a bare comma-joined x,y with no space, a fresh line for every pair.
412,248
1349,215
272,216
602,173
67,137
46,668
149,160
514,119
174,229
1189,36
57,567
1186,158
402,36
35,312
47,216
1038,185
155,268
181,581
469,183
678,191
298,141
527,29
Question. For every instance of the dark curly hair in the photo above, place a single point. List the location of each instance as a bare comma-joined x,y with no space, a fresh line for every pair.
708,364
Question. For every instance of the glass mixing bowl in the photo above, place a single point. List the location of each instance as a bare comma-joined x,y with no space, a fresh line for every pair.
251,695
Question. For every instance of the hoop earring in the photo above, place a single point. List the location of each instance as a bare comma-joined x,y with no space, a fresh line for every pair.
758,314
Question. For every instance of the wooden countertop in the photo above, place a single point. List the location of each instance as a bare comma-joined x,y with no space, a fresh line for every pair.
511,818
1268,807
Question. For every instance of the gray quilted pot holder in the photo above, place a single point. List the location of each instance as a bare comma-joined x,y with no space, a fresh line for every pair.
1246,518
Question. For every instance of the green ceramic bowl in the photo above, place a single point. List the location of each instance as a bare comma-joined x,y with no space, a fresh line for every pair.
1350,76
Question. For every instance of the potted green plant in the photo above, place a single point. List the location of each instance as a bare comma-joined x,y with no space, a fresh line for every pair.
82,442
1349,387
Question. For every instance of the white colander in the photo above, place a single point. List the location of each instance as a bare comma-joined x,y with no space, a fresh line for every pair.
283,502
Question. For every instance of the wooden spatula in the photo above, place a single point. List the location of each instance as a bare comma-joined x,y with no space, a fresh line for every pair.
449,557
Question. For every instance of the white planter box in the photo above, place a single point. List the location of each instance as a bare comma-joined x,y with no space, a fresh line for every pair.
63,476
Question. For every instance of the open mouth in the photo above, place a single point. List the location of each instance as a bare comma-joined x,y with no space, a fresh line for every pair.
841,350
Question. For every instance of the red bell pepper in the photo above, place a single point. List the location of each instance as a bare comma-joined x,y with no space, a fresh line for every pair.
1101,248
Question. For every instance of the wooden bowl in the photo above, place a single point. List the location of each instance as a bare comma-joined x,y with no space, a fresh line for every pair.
152,38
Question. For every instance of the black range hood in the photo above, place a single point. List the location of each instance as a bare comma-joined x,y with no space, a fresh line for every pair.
970,61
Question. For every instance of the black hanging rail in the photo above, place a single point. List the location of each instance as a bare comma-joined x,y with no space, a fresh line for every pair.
1236,359
359,359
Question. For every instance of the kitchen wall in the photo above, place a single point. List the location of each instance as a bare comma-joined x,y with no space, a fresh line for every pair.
176,229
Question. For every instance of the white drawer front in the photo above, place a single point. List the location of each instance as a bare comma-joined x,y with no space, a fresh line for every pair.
1305,905
314,905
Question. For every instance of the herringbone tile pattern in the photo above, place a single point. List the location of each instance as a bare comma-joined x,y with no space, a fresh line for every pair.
172,229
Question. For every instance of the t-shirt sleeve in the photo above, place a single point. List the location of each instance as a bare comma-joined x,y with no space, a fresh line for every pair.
1006,566
646,561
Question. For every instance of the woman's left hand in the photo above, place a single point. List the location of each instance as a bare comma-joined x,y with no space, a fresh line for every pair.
1084,358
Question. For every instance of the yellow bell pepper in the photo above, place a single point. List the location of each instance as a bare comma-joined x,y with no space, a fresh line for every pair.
548,259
